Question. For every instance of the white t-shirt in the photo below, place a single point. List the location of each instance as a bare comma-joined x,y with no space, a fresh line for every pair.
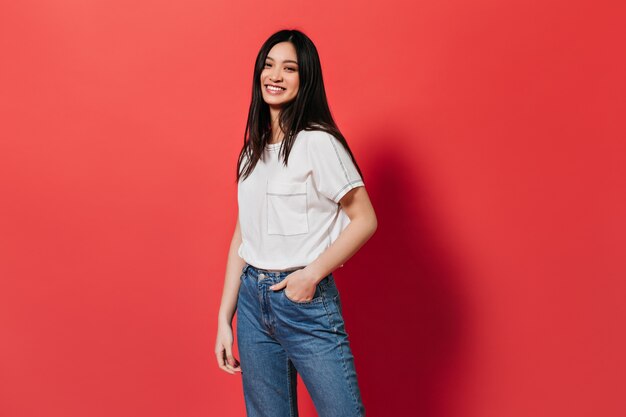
290,215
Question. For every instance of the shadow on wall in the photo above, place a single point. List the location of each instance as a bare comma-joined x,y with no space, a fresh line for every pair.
402,299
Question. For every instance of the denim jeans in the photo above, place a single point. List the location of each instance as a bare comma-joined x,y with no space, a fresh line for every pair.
278,338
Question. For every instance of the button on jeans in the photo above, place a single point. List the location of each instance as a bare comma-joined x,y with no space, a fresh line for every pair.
278,338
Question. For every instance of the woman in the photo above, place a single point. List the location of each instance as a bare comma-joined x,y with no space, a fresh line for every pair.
303,211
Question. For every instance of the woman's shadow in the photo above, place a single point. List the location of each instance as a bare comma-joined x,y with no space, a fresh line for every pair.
402,298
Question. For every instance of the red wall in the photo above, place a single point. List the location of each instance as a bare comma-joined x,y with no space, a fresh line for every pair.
491,137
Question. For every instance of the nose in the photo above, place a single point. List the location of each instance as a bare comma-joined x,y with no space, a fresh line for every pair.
275,74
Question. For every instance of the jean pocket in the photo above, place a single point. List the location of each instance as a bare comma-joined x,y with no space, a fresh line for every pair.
317,298
286,208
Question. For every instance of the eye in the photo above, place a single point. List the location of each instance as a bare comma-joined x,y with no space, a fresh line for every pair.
291,69
267,63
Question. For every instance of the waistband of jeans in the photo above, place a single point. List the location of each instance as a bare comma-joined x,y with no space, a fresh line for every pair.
254,271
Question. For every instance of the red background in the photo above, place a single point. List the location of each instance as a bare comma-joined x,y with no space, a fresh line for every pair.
491,137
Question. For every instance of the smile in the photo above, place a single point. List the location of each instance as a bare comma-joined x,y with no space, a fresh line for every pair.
274,90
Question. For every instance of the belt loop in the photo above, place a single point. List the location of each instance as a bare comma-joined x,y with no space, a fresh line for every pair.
245,268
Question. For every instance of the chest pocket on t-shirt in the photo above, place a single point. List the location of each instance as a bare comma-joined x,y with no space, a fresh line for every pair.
286,208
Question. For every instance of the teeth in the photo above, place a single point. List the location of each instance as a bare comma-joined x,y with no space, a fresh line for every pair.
270,87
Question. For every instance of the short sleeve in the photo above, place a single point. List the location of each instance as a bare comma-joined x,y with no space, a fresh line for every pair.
333,171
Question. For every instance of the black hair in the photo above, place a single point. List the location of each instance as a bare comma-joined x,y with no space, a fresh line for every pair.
307,111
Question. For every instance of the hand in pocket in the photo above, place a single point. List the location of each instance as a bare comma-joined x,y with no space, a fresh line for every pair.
299,287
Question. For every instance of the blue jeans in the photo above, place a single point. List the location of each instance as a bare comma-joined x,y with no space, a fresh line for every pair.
278,338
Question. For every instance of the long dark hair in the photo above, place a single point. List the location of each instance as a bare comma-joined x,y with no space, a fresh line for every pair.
308,110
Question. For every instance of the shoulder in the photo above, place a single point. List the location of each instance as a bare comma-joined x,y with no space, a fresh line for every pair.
319,140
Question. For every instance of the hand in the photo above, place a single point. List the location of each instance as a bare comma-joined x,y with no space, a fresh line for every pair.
224,349
301,286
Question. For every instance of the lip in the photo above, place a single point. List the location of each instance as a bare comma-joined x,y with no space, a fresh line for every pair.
283,89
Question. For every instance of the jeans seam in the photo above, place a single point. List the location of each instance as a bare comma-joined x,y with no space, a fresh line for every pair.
343,359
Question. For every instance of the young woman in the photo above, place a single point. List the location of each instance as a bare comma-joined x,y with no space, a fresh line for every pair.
303,211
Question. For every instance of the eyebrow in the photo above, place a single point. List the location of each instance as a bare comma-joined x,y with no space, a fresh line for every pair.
286,60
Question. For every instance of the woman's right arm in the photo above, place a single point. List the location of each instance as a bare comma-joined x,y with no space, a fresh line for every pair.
228,305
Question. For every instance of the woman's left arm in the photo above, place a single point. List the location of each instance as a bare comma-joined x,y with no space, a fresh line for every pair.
363,223
357,205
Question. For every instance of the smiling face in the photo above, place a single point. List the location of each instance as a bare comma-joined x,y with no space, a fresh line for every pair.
279,78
